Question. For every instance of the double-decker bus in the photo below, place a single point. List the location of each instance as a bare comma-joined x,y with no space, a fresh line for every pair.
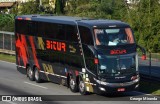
86,55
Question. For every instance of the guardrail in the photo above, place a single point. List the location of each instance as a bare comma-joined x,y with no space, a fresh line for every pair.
7,42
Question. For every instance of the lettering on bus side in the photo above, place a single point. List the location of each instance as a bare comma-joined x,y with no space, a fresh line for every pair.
47,68
57,46
117,51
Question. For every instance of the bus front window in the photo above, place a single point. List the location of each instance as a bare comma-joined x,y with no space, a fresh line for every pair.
117,65
113,36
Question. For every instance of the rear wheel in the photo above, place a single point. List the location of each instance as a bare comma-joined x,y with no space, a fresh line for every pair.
73,85
37,75
30,74
82,87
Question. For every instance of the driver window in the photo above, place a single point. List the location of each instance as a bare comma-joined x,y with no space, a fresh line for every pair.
101,37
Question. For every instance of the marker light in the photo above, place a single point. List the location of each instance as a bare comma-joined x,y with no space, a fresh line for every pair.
27,18
19,18
143,57
96,61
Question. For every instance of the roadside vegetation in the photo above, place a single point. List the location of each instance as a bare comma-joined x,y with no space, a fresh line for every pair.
8,58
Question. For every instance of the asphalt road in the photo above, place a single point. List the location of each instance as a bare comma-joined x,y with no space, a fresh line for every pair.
14,83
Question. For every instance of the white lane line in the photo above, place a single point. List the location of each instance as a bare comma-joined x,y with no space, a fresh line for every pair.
36,85
10,102
7,62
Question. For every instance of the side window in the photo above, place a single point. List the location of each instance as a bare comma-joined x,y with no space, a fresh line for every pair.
61,32
21,27
50,30
71,33
41,29
86,35
32,28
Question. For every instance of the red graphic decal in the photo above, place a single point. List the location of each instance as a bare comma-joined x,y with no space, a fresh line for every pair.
21,47
118,51
34,51
57,46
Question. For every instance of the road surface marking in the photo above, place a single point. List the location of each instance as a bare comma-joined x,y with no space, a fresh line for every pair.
10,102
7,62
36,85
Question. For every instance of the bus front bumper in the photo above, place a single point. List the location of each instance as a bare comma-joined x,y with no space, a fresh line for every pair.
118,87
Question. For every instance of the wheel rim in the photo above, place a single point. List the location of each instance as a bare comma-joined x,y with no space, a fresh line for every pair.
36,75
81,86
72,84
30,72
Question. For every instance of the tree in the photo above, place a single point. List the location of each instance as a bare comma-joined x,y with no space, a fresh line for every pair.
7,22
29,7
146,24
59,7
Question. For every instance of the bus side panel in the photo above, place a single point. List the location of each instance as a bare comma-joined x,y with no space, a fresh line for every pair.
58,63
21,52
91,65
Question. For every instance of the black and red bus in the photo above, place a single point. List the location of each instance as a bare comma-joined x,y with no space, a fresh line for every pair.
86,55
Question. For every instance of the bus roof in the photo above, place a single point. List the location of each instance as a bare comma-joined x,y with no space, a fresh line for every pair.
80,20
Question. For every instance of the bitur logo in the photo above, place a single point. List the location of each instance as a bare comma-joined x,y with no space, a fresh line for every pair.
57,46
118,51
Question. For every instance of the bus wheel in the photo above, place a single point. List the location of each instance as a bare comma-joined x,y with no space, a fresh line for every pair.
30,74
73,85
82,88
37,76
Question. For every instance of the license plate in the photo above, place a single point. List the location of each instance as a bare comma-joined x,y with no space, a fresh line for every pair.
121,89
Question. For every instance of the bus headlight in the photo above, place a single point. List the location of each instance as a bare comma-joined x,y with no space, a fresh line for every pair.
100,82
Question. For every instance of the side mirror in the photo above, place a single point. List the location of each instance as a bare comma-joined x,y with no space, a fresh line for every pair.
143,52
143,57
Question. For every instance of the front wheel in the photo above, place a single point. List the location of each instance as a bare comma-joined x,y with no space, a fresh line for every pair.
82,87
30,74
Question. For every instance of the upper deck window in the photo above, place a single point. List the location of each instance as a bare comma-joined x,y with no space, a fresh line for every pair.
114,36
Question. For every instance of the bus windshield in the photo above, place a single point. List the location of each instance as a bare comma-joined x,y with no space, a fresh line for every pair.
117,65
114,36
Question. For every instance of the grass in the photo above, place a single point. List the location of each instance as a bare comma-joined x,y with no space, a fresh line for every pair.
8,58
150,87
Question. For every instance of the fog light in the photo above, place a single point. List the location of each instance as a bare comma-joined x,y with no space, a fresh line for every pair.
102,89
137,86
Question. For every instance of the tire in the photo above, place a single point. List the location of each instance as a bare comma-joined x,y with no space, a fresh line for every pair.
82,87
30,74
73,85
37,76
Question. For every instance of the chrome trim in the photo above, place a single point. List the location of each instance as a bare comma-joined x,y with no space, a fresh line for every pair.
123,84
117,84
54,74
21,66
